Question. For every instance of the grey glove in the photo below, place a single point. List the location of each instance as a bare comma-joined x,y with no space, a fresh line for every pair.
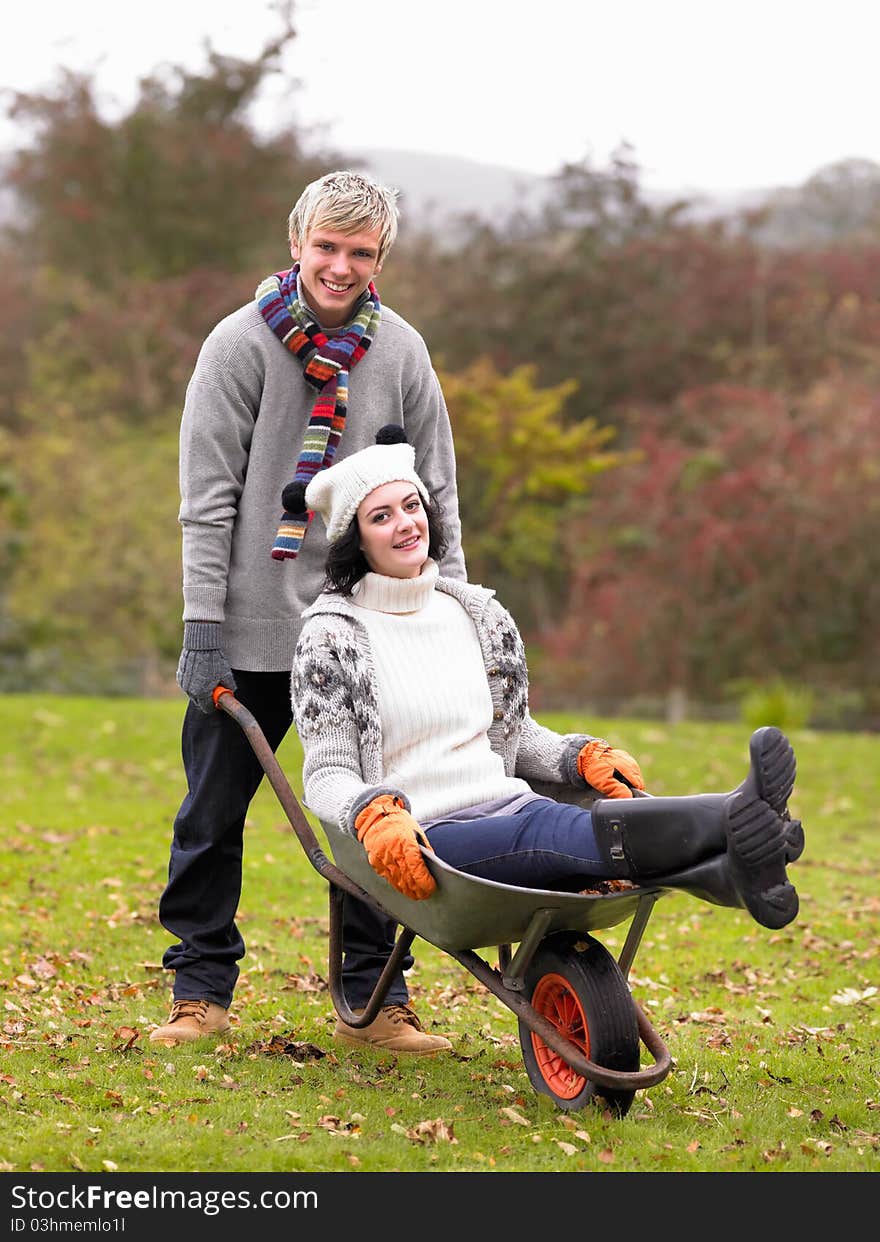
202,663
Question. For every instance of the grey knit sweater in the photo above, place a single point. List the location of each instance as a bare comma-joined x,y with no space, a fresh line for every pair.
246,410
336,706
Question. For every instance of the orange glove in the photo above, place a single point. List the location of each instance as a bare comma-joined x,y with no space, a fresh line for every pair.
606,769
391,838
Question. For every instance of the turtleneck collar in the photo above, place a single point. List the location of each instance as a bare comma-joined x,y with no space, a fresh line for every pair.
382,594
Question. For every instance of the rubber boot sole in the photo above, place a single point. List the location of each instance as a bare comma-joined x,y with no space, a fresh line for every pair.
775,767
756,854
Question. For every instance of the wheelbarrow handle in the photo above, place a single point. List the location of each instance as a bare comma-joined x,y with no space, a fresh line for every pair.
225,701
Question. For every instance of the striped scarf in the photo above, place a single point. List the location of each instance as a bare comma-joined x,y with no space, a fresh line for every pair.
326,362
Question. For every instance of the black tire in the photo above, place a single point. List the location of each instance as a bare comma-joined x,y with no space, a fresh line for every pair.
579,987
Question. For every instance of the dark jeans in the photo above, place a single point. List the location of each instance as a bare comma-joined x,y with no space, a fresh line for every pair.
544,844
204,871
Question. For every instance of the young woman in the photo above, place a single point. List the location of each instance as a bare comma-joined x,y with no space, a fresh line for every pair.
410,697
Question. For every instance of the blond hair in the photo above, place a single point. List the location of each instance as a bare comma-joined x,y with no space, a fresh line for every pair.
348,202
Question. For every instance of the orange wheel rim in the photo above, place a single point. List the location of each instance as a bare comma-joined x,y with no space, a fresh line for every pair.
555,1000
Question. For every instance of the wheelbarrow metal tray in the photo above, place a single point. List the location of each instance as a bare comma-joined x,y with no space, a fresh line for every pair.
468,912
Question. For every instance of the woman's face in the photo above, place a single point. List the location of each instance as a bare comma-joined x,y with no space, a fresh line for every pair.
393,528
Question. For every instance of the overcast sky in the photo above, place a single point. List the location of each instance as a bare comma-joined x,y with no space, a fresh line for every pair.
710,94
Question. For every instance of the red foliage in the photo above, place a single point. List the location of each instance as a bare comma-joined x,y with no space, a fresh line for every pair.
744,544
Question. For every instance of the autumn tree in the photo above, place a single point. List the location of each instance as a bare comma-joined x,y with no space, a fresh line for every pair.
839,205
524,476
742,544
638,303
137,234
181,183
129,240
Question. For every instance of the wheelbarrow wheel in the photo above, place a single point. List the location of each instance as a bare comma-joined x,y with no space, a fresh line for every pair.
578,986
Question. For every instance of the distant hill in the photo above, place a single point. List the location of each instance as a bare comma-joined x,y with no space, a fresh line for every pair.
449,185
442,186
838,203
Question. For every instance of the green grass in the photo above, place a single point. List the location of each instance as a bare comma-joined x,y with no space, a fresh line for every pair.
774,1035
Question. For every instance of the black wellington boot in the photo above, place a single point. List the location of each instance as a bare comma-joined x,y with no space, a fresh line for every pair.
729,848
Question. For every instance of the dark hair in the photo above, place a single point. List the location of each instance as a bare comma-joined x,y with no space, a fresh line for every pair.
346,563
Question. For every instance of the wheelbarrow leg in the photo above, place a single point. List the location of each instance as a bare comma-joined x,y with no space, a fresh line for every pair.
334,953
636,931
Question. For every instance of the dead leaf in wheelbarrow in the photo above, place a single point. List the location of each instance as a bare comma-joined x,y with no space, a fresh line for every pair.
284,1046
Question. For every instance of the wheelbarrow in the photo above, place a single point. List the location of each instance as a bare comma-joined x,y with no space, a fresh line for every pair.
580,1028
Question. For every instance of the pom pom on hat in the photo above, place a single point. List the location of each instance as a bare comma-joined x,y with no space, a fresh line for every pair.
336,493
293,498
391,433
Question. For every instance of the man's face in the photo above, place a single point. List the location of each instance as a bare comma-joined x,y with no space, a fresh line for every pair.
335,269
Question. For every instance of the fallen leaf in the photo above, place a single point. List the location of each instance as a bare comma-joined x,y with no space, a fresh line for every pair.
432,1132
283,1045
127,1035
852,996
812,1146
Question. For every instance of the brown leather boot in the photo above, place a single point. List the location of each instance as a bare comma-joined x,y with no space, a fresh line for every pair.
395,1029
190,1020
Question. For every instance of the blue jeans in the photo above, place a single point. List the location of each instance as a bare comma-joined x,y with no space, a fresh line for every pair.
545,844
205,867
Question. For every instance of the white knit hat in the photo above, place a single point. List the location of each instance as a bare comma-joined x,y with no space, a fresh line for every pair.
337,492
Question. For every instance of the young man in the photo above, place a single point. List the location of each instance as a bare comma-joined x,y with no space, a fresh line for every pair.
304,375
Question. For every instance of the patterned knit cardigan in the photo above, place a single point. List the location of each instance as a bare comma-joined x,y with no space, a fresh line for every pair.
335,706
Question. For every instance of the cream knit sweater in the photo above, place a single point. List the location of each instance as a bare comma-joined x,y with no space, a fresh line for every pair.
434,701
335,695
